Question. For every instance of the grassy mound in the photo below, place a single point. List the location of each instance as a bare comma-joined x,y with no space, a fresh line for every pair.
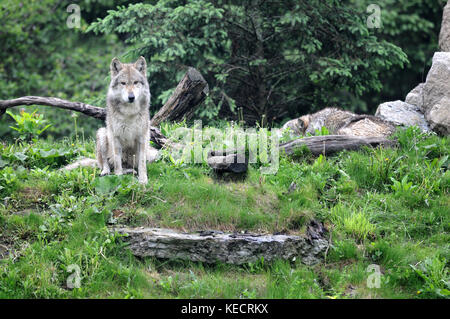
383,207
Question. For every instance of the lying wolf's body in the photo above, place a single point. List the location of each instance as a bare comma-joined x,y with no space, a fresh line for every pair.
340,122
124,142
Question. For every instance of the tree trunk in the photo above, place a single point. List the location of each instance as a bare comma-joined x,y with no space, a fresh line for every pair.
190,92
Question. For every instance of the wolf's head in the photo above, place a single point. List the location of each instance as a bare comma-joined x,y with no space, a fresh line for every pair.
129,84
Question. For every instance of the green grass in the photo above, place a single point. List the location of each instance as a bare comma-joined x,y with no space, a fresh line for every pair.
388,207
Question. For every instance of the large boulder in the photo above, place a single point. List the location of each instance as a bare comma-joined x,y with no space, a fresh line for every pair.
402,113
439,116
436,93
444,36
415,97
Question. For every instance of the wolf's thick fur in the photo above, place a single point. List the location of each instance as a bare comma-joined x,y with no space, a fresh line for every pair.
124,142
340,122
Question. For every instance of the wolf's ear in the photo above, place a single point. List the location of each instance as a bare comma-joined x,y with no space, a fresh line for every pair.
115,66
141,65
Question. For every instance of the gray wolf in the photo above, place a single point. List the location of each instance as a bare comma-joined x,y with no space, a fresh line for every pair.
125,141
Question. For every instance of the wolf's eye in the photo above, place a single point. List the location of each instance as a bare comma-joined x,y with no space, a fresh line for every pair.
123,83
136,82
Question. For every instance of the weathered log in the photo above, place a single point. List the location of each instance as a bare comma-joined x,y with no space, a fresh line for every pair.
330,144
214,246
190,92
236,161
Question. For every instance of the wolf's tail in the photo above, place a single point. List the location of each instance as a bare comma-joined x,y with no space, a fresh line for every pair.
84,162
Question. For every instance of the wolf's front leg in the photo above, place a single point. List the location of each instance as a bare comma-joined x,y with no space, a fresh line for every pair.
142,161
117,157
102,151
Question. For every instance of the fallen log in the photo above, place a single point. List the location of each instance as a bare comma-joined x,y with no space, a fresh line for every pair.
214,246
190,92
330,144
236,161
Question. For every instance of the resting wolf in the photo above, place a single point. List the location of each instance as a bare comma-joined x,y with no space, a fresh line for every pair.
124,142
340,122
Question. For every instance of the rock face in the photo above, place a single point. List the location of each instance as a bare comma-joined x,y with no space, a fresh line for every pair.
215,246
402,113
439,117
415,97
437,84
428,104
444,36
436,92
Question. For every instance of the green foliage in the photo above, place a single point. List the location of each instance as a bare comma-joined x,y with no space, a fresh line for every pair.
354,223
342,250
253,54
434,272
384,206
405,23
403,187
41,56
54,219
29,125
323,131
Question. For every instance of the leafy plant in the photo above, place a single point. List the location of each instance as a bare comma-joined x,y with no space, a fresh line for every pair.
402,187
323,131
434,272
29,125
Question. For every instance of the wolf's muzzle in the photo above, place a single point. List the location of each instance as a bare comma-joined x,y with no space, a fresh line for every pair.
131,97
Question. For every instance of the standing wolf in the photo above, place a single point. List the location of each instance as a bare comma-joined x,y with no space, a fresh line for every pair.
124,142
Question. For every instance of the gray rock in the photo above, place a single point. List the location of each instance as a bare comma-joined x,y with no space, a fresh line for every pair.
439,117
437,84
213,247
415,97
436,88
444,36
402,113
